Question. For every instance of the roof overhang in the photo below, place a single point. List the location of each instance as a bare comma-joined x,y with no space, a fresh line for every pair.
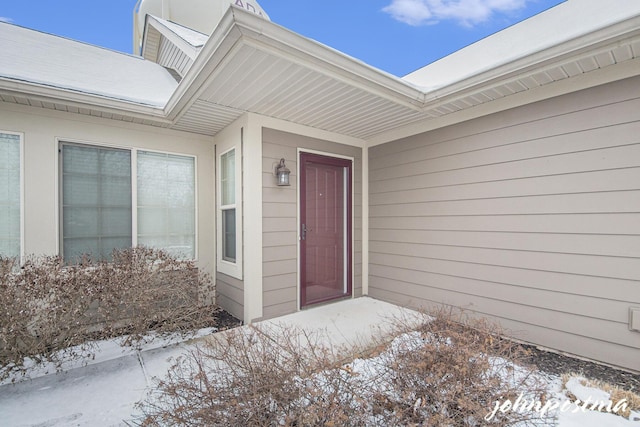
253,65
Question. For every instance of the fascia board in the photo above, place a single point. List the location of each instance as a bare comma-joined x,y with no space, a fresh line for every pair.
568,51
81,100
220,43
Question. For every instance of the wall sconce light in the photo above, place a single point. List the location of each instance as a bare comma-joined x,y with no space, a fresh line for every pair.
282,174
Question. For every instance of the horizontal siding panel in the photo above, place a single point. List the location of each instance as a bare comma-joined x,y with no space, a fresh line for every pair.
229,291
610,223
572,324
606,202
280,194
550,299
231,281
286,238
517,143
278,310
279,210
579,284
534,118
272,137
589,182
516,166
230,294
272,153
279,253
615,354
283,281
231,306
279,296
277,268
592,244
529,216
591,265
275,225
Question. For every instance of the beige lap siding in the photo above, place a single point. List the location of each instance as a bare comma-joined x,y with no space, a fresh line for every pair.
531,216
230,294
280,230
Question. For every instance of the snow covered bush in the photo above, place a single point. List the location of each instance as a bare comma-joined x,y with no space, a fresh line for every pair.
451,371
49,311
440,373
244,377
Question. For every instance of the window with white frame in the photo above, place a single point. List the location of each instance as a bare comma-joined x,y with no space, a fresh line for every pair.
228,205
10,191
166,203
229,214
98,188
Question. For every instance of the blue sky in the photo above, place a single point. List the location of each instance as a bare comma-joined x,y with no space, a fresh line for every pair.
397,36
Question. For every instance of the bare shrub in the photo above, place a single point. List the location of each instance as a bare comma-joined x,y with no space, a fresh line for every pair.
243,377
451,371
50,311
441,373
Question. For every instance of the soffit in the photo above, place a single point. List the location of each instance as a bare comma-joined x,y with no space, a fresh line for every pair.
272,72
258,81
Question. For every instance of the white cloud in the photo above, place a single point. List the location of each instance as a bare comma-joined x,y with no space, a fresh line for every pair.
466,12
3,19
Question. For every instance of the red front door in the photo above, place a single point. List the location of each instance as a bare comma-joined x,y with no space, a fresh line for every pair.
325,228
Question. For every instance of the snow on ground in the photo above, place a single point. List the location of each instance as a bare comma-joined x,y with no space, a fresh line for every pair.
568,412
104,392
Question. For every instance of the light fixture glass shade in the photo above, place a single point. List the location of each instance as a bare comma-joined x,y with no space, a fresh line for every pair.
282,174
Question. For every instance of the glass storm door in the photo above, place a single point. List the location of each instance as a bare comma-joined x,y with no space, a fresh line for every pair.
325,228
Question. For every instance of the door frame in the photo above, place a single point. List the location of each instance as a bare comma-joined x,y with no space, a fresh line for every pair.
349,251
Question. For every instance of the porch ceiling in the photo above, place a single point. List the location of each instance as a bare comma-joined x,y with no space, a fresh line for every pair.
257,81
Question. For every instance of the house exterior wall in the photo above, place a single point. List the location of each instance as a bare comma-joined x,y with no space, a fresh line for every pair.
230,282
43,129
230,294
280,213
530,216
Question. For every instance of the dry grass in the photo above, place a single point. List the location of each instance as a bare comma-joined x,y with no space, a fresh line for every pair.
616,393
50,311
442,372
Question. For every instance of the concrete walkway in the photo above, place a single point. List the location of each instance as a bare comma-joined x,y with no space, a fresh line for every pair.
104,393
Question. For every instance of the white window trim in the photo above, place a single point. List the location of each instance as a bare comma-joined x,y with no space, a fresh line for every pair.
233,269
20,135
134,187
